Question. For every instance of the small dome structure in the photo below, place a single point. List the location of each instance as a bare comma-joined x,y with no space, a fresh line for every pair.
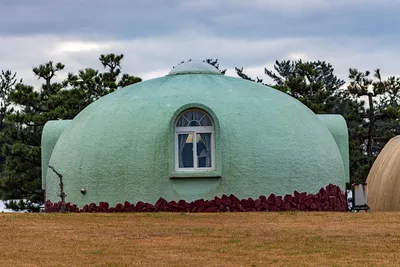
193,134
194,67
383,180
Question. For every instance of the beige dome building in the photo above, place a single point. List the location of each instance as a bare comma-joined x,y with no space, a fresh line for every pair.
384,179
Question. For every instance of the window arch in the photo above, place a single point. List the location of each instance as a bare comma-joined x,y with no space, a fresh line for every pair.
194,141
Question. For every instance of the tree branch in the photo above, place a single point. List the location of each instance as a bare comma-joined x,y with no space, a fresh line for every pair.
62,194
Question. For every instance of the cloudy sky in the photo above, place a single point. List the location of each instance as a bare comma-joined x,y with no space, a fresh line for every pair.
155,35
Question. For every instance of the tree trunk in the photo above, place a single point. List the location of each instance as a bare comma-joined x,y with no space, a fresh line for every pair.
371,118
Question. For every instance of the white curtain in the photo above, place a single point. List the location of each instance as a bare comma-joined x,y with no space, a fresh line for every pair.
182,141
206,137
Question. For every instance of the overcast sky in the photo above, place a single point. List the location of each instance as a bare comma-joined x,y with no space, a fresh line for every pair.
155,35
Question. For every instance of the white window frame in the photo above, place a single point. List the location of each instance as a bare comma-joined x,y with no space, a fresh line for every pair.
194,131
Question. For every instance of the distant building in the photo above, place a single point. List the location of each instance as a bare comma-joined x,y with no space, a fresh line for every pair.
383,180
193,134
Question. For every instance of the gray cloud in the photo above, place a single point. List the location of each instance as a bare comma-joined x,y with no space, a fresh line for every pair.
155,35
155,56
125,19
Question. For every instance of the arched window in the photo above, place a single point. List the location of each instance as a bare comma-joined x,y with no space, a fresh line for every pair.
194,141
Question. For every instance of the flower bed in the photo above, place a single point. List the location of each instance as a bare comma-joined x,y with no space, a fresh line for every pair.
330,198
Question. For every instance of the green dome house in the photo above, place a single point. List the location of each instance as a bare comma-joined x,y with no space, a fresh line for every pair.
193,134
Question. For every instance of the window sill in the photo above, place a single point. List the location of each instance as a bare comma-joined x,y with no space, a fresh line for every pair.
195,174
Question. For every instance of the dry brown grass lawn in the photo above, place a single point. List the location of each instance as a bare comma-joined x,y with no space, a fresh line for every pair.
225,239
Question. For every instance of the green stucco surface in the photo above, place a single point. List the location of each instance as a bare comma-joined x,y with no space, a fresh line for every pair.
51,132
121,147
338,127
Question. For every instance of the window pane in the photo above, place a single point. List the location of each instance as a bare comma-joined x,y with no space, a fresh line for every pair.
194,123
193,118
182,122
185,150
205,121
203,141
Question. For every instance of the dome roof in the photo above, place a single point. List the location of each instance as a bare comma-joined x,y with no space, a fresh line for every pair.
384,178
121,147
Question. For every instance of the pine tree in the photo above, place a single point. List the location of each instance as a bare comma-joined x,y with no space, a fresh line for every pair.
363,86
380,119
21,139
8,81
215,63
241,74
95,84
312,83
21,176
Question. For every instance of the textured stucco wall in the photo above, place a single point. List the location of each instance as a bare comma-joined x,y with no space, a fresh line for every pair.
51,132
338,127
121,146
383,180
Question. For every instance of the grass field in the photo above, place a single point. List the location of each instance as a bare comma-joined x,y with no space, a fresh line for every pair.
224,239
